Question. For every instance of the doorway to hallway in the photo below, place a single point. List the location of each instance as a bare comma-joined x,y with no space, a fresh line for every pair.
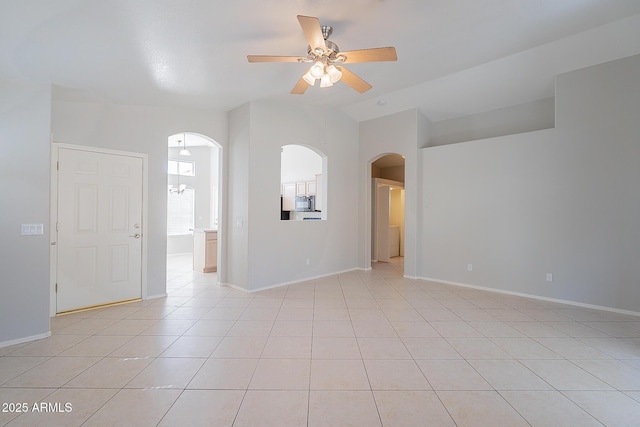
387,210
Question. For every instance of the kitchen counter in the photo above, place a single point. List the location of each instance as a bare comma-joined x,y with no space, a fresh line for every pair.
300,216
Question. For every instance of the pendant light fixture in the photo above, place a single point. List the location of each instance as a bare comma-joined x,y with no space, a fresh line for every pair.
184,151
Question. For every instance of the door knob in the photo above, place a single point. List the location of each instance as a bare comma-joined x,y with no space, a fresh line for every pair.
136,236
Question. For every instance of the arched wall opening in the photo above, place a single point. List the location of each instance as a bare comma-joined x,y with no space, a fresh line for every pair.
303,178
387,173
194,211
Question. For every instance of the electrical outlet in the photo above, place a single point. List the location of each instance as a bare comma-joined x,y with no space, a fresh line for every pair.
549,277
469,267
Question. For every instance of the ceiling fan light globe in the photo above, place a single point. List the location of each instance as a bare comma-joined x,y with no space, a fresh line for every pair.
309,78
317,70
325,81
334,74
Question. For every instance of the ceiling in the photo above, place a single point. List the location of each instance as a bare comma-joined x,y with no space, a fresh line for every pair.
455,57
389,161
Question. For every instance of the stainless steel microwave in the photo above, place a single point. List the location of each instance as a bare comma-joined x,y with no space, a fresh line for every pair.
305,203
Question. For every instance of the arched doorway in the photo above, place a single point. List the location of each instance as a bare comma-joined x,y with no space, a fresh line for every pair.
194,172
387,210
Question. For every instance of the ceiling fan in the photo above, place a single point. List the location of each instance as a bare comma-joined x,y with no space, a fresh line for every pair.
326,59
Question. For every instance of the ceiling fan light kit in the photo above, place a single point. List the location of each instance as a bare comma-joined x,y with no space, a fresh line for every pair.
325,81
324,54
317,71
334,74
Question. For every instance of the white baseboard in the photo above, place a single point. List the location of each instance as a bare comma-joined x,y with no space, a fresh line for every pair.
235,287
162,295
538,297
25,339
278,285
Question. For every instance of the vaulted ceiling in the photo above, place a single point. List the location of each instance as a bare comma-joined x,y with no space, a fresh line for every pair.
455,57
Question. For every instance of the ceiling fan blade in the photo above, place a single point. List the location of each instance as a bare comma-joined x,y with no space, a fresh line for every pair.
272,58
354,81
312,31
300,87
370,55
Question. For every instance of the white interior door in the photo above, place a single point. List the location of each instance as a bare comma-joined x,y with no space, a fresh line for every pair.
382,222
99,229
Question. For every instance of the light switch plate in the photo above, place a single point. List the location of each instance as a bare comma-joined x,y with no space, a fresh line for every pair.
32,229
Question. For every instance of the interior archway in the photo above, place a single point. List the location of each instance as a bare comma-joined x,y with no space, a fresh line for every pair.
194,176
387,210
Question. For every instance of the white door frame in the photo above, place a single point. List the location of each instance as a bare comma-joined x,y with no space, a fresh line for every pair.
53,198
376,183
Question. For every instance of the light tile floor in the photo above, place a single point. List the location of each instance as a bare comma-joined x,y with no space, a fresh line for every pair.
363,348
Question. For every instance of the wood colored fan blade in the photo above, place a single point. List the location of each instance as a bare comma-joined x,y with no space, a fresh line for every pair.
354,81
272,58
300,87
312,31
370,55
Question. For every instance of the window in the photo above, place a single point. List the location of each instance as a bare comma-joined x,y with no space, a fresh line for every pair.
176,167
180,211
180,200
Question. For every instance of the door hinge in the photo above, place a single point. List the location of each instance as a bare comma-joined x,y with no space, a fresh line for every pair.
56,288
56,226
57,166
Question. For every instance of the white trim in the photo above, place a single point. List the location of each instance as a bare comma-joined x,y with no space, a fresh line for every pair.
25,339
538,297
53,202
163,295
382,182
145,223
235,287
53,234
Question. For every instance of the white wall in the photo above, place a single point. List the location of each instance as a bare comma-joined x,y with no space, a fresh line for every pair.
237,208
142,130
25,123
299,164
532,116
400,133
277,251
564,201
